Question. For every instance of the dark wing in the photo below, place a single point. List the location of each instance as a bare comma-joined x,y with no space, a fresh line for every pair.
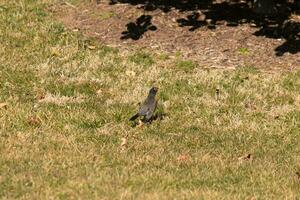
134,117
145,107
151,110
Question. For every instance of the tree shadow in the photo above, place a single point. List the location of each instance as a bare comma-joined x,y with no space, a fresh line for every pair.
232,14
166,5
206,13
283,29
291,46
193,21
135,30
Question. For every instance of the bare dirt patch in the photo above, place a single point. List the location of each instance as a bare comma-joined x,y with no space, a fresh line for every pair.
222,47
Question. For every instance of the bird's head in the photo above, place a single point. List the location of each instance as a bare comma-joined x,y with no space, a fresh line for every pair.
153,90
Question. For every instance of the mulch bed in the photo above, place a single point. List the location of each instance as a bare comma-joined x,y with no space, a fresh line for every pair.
224,46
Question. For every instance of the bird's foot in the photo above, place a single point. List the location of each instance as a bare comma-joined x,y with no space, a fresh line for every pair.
140,123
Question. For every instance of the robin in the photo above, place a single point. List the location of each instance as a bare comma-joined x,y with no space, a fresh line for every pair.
148,107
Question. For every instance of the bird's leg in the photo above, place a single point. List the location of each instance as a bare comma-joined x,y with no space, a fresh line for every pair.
147,120
140,123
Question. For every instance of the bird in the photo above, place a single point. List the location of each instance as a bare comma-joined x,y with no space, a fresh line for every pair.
148,107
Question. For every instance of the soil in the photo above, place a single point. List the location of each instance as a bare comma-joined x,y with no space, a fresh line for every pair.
224,45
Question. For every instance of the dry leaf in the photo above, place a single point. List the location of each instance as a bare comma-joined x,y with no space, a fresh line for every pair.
130,73
183,158
245,157
166,104
99,92
3,105
123,143
40,96
33,121
91,47
55,51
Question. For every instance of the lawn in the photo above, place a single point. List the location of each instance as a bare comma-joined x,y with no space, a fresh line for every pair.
65,101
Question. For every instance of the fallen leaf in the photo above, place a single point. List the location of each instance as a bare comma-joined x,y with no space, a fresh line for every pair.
245,157
55,51
183,158
91,47
166,104
123,143
40,96
130,73
33,121
99,92
3,105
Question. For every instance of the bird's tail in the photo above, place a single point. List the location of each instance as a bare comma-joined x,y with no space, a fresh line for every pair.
134,117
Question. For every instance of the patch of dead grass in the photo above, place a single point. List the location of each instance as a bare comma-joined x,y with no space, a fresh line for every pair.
61,100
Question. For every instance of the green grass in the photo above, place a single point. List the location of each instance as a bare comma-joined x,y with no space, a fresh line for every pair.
62,132
186,65
107,15
142,58
243,50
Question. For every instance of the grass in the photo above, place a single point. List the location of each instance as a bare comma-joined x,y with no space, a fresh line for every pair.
65,132
186,65
243,51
